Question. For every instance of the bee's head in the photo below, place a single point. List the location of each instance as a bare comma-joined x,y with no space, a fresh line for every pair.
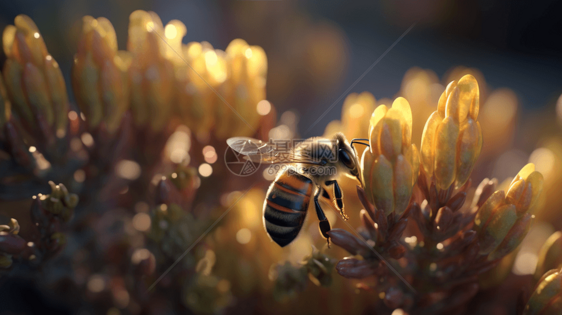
347,157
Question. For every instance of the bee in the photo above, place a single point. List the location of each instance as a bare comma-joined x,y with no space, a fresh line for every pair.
313,167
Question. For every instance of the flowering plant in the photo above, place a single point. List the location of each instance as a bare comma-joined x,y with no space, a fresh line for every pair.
427,237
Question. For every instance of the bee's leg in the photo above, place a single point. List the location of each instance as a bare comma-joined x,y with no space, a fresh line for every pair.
325,194
324,225
338,194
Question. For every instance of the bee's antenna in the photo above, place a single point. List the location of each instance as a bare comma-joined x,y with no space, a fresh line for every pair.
357,141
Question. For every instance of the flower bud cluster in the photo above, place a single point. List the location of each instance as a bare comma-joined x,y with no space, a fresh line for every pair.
99,77
10,243
49,213
389,167
453,242
151,74
505,218
452,138
229,84
34,82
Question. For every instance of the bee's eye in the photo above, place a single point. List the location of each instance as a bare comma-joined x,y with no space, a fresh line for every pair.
346,159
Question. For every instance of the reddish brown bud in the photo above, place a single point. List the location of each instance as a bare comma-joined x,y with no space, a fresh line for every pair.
442,220
349,242
11,244
457,201
398,229
484,191
355,268
369,225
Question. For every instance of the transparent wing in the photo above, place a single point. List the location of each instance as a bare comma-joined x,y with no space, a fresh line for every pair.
249,146
267,152
282,157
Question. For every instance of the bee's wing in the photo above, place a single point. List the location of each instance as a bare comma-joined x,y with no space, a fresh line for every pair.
249,146
267,152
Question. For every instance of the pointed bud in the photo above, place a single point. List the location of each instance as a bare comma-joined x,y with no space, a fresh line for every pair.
550,256
484,191
503,220
356,269
544,300
525,189
152,73
470,145
378,179
457,201
375,128
452,138
34,82
390,167
99,75
488,208
513,238
442,220
499,225
349,242
402,184
369,225
428,142
445,153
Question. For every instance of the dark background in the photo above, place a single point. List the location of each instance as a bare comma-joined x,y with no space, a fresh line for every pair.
516,44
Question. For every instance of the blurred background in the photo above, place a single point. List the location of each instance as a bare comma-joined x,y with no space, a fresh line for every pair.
514,44
317,50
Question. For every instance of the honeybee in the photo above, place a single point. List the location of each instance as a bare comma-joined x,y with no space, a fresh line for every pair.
312,166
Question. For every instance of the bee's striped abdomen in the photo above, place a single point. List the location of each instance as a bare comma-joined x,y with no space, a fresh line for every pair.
285,207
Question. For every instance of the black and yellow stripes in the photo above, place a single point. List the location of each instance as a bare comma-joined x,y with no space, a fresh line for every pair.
285,207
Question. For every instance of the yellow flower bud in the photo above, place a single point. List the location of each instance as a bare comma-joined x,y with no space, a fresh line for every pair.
34,82
390,166
378,179
547,297
229,84
99,75
355,120
151,74
501,221
244,88
525,189
206,69
445,154
402,183
513,238
452,137
550,256
488,208
504,219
